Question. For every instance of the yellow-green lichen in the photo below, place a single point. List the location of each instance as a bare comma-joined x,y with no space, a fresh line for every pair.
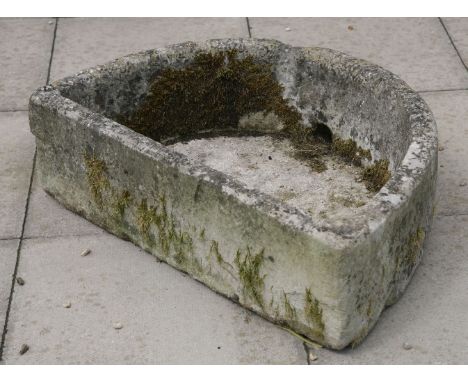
202,234
121,202
289,310
183,245
370,310
313,314
146,215
248,269
170,237
97,178
413,249
214,251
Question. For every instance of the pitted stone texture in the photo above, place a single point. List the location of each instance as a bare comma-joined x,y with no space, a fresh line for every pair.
25,47
166,317
206,223
8,249
82,43
416,49
16,159
457,27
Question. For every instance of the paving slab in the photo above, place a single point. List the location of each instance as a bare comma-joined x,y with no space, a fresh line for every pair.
457,27
418,50
82,43
166,316
8,250
451,113
48,218
25,45
16,159
431,315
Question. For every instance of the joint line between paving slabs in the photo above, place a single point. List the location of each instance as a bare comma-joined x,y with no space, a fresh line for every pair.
12,110
18,251
52,50
442,90
26,208
453,44
249,29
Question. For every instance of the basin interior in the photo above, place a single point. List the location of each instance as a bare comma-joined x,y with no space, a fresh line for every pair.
265,164
201,111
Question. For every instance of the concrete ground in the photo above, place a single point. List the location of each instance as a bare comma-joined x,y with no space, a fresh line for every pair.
166,316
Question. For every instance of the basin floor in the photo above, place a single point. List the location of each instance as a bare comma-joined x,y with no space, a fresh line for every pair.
267,165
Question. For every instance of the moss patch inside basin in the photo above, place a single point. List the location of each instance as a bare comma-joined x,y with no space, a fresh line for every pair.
226,94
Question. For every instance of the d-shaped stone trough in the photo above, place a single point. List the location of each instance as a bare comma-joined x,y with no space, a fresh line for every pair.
298,182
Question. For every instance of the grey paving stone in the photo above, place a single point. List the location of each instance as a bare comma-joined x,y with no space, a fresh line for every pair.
82,43
7,266
458,30
16,158
47,218
167,317
431,315
451,113
25,46
418,50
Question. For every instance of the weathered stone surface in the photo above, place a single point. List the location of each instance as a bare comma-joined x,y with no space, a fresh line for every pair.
329,282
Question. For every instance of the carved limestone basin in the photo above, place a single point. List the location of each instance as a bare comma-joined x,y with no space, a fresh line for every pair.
298,182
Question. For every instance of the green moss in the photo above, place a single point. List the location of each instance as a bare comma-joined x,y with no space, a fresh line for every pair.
313,314
376,175
309,145
183,246
121,202
171,238
350,151
214,251
370,310
211,93
248,269
414,246
202,234
97,178
146,215
289,310
210,96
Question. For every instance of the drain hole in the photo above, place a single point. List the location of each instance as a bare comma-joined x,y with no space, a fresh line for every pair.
323,133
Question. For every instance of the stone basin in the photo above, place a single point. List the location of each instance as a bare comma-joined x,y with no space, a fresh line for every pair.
237,196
